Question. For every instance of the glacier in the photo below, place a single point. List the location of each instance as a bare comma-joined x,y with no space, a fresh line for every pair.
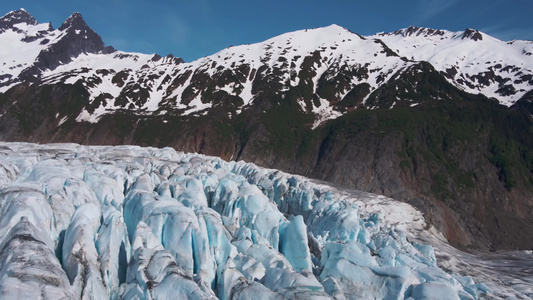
127,222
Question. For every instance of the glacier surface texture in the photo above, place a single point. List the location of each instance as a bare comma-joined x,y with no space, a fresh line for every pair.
127,222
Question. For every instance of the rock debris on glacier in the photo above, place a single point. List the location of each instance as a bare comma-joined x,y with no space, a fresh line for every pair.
142,223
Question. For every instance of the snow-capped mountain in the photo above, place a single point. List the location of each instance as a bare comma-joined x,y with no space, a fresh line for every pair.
471,60
414,114
30,48
331,70
128,222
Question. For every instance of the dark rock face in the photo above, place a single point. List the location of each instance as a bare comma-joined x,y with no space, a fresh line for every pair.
472,34
78,38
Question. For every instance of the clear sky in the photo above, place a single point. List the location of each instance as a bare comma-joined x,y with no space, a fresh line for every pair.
192,29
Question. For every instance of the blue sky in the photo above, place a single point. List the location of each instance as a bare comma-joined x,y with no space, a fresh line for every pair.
195,28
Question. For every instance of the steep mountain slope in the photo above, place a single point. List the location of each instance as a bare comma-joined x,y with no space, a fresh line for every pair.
391,113
471,60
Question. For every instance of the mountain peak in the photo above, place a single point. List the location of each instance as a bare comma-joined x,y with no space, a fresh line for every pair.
472,34
74,21
78,38
336,27
16,17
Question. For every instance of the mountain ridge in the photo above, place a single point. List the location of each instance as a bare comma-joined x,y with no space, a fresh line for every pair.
492,81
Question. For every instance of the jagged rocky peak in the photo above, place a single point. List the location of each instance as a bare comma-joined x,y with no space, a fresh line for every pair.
472,34
81,37
78,39
172,58
16,17
419,31
75,21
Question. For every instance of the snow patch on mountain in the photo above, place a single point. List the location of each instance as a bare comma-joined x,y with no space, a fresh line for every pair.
324,112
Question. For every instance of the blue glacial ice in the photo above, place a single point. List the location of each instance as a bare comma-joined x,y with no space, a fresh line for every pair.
127,222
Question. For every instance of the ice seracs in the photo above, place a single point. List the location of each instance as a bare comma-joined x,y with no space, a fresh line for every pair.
130,222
